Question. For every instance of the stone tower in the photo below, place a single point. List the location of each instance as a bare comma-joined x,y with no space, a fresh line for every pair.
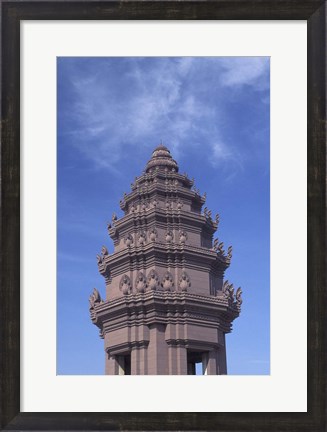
167,306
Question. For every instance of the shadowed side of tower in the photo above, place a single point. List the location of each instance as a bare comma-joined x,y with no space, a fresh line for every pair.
167,305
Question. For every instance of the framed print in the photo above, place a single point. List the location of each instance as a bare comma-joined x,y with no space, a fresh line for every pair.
86,89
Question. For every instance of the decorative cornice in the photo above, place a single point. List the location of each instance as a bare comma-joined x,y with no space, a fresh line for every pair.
156,310
194,344
160,189
157,215
126,347
192,303
201,253
157,176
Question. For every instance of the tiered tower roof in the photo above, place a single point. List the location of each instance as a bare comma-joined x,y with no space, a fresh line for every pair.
164,230
167,271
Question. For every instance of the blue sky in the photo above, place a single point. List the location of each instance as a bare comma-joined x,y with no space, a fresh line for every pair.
213,113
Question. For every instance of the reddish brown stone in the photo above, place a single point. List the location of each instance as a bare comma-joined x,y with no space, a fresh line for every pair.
167,306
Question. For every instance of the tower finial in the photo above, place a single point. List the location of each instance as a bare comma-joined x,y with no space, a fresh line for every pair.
161,158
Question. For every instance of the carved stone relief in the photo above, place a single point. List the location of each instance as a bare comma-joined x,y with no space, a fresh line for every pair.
182,236
184,281
140,282
153,234
153,280
141,237
169,236
129,240
125,285
167,282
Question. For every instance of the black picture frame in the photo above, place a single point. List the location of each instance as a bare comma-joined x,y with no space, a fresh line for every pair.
12,12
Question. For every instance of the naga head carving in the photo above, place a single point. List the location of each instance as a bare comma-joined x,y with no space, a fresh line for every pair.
104,251
94,298
238,296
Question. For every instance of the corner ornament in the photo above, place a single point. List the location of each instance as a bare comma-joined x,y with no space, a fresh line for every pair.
218,247
229,253
94,298
104,251
228,291
239,300
99,259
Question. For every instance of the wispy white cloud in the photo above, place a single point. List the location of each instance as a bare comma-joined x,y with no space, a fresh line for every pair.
240,71
137,103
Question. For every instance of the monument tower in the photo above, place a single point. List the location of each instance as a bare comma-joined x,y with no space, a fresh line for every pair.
167,306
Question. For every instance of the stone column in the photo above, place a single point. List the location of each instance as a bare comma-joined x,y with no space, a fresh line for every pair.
157,351
181,350
143,359
222,363
172,358
211,362
111,365
172,348
135,361
221,354
140,339
139,359
120,362
181,360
